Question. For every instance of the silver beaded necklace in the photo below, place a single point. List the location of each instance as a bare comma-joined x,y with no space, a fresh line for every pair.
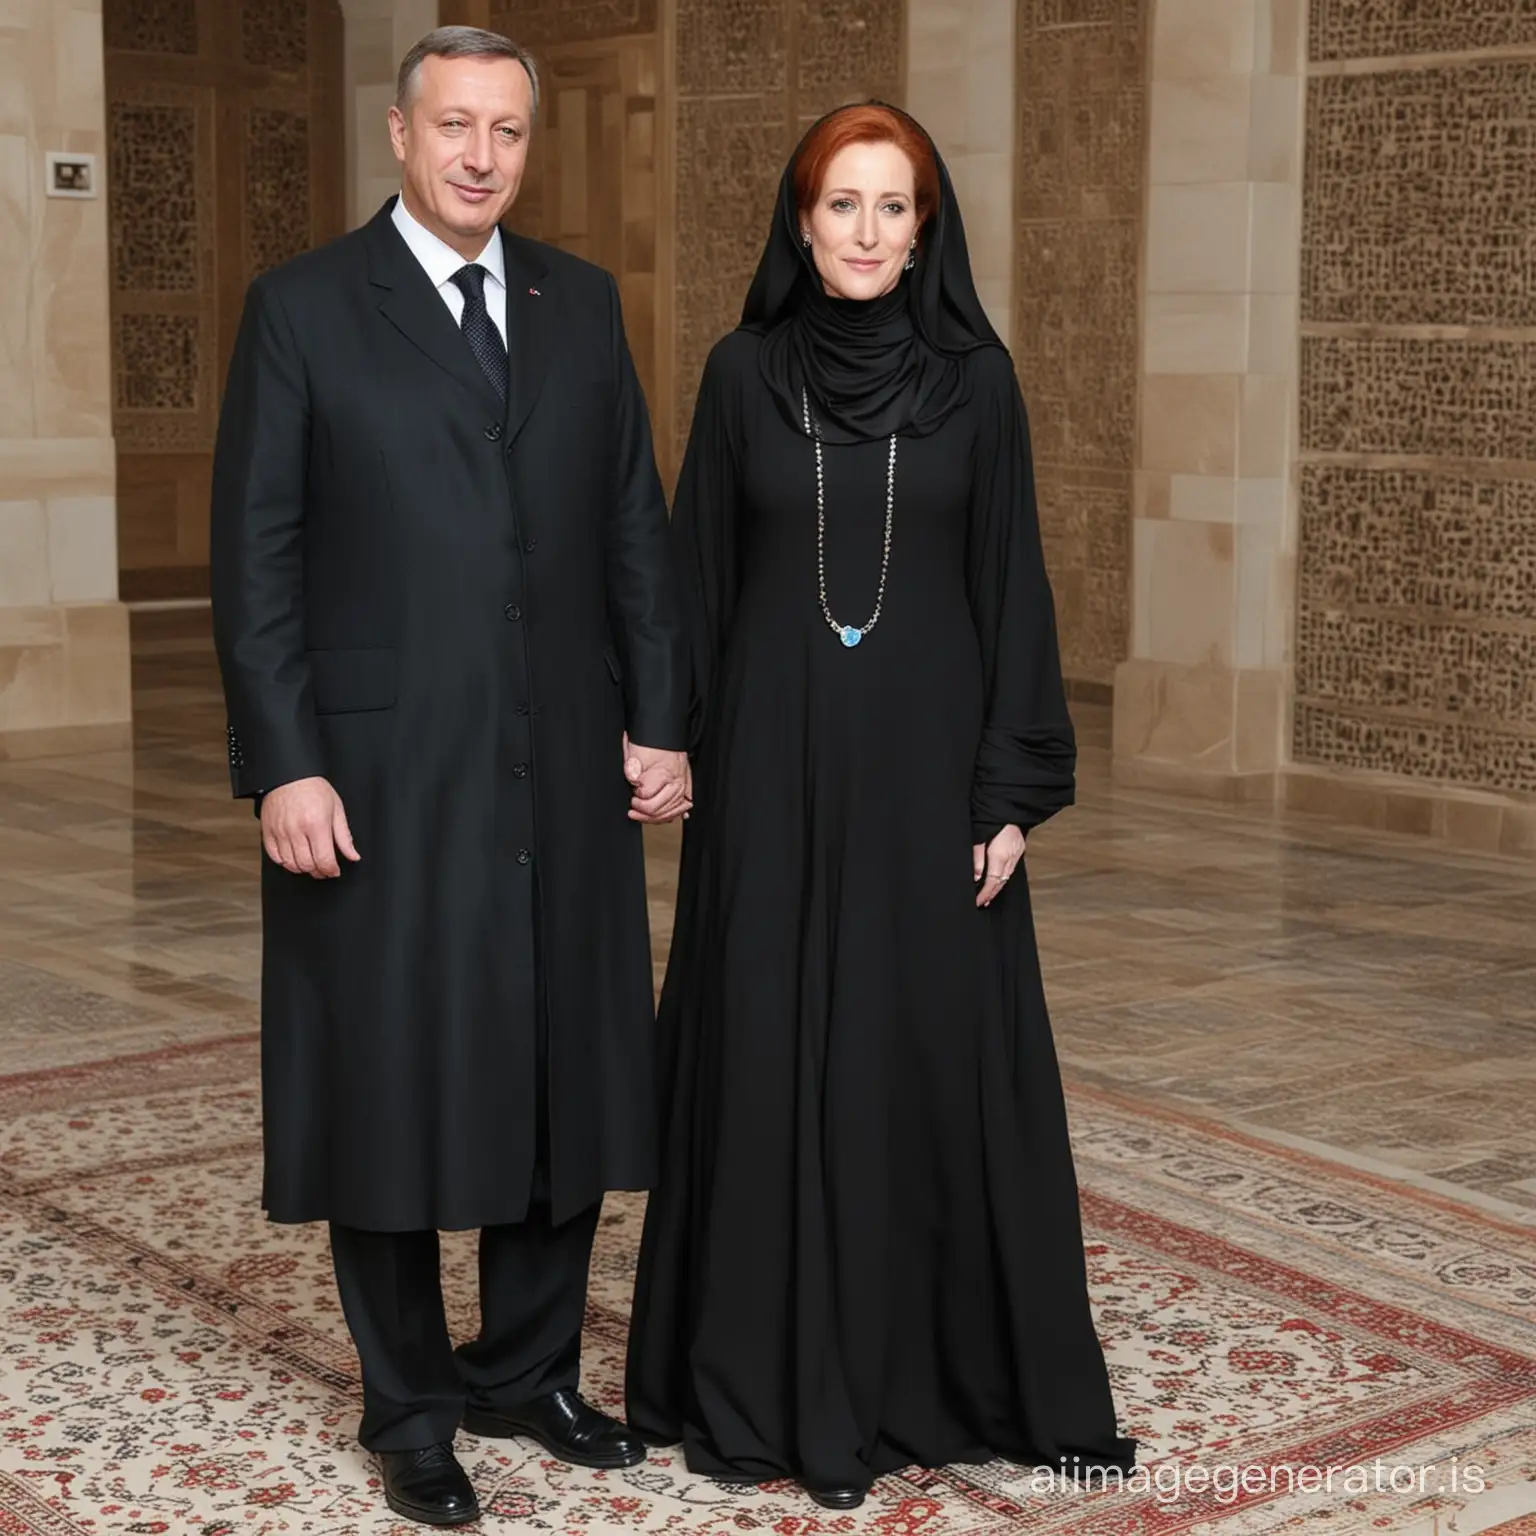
847,633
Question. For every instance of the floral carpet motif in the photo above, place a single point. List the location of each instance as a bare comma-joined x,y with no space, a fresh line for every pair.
1297,1346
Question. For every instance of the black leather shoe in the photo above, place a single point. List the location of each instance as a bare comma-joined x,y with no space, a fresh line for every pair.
566,1427
428,1486
837,1498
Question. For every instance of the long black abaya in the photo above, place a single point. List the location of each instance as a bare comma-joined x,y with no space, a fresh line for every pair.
865,1249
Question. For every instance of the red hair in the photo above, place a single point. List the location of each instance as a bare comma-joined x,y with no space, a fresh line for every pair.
866,125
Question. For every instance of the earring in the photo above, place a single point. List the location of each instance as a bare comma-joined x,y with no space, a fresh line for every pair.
911,257
805,238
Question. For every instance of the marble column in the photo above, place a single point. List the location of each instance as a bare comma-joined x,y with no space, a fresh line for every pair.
379,34
1201,705
960,86
64,667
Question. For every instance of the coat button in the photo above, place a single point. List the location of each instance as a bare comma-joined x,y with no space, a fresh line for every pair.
523,856
520,770
493,432
513,612
522,709
531,545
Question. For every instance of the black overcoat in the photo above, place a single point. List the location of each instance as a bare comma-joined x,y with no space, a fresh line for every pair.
452,609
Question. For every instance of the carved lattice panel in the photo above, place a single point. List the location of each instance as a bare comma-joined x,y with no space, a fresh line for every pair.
215,174
1416,609
752,74
1079,186
1418,198
151,26
1386,29
546,23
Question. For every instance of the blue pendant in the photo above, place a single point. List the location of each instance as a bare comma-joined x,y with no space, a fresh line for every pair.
851,636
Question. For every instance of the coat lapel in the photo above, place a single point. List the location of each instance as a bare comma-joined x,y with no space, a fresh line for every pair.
530,330
414,307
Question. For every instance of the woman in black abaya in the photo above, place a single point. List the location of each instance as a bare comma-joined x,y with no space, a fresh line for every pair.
865,1250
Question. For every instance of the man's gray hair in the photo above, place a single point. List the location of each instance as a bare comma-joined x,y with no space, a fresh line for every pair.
461,43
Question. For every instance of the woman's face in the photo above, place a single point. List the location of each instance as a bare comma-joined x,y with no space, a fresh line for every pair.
862,226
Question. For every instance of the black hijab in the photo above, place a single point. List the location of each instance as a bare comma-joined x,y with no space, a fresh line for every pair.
877,366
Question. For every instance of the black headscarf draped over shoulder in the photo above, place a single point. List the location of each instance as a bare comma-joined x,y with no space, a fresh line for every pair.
877,366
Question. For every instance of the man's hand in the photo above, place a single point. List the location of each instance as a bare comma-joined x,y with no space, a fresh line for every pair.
662,783
303,826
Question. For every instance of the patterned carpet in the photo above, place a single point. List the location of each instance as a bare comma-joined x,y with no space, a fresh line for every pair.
169,1363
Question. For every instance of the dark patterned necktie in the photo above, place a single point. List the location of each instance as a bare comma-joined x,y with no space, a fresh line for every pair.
480,330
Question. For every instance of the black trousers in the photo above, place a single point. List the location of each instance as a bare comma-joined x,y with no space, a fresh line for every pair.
533,1296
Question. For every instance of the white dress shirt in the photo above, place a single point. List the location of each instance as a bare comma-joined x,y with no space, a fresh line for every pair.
441,261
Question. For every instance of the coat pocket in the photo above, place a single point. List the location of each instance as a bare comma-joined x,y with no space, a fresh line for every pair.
346,681
611,661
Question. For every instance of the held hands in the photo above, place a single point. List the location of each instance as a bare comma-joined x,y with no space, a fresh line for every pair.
303,827
662,783
993,864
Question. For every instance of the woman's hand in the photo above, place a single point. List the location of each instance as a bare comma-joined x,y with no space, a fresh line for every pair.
993,863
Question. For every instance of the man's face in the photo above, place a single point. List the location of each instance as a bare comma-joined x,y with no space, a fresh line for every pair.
463,144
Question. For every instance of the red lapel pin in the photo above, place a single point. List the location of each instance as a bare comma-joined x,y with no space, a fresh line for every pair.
535,292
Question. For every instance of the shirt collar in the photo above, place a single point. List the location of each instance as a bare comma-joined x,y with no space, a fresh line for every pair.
440,260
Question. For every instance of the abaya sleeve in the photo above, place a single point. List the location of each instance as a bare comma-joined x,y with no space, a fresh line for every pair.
704,515
1025,766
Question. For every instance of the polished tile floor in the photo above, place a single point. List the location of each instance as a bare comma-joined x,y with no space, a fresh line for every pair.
1367,997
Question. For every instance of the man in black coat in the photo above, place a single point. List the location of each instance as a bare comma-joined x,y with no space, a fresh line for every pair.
455,685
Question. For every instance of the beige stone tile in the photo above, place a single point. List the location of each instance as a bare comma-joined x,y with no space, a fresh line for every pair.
1194,38
1189,424
1517,833
82,548
989,120
941,108
27,627
32,687
371,55
1259,622
1262,502
1475,825
1281,31
1183,582
1195,333
1321,794
1275,128
97,670
984,187
1266,425
1198,129
936,38
1410,813
1276,240
21,44
64,741
1274,344
17,418
1203,498
1197,238
1259,729
1174,713
43,467
23,553
1151,494
79,87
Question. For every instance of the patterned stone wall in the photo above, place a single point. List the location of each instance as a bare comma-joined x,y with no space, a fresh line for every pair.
751,76
1416,618
1078,205
223,160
